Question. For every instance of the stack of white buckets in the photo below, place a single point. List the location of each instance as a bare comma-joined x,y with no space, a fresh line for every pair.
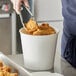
39,51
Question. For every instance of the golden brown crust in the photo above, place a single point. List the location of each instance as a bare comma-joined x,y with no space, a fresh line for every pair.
1,64
13,74
31,25
6,70
33,28
43,32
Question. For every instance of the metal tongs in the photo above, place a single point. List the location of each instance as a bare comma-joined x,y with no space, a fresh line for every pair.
21,18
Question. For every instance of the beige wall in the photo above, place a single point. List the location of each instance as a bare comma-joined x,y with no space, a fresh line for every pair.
47,9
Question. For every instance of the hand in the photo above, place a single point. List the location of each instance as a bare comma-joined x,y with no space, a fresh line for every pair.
17,4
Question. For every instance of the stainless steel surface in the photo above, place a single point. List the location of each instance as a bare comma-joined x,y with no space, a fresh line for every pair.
5,35
8,33
15,67
7,27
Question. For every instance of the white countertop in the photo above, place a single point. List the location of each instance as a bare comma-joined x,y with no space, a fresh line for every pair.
18,58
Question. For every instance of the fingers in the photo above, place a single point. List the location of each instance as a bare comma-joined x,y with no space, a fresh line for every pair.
17,5
26,3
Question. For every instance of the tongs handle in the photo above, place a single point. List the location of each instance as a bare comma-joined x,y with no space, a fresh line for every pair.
21,18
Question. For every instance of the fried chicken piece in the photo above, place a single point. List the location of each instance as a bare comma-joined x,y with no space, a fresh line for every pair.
31,25
44,26
43,32
5,73
44,29
13,74
6,68
1,73
29,31
33,28
26,31
1,64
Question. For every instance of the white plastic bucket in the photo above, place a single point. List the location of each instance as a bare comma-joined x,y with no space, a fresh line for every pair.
39,51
